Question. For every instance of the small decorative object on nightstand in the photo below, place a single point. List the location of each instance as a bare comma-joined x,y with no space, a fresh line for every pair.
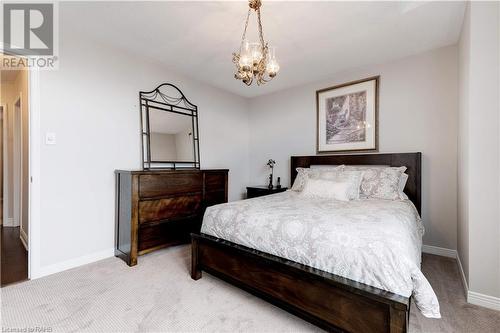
258,191
271,164
278,183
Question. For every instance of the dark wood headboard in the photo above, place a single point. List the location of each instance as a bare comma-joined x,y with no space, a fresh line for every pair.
413,162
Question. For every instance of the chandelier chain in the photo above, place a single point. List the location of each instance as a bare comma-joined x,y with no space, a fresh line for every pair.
245,30
261,34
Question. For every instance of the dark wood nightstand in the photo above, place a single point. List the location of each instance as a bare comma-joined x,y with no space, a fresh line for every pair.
258,191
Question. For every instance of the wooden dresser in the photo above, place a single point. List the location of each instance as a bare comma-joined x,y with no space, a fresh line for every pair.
156,209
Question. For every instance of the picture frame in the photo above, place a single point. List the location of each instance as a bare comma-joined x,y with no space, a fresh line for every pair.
347,117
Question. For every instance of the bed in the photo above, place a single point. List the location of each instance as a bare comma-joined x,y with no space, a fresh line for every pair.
365,290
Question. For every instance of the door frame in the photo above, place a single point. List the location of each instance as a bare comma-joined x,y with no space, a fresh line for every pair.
5,169
34,160
17,161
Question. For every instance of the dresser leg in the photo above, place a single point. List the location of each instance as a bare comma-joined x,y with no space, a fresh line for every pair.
127,257
195,270
132,261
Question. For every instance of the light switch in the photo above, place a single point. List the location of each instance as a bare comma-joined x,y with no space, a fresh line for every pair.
50,138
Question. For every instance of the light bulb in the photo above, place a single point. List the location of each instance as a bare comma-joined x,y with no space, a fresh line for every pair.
256,53
272,65
245,61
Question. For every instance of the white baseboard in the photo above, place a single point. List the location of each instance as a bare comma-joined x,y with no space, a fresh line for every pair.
439,251
472,296
72,263
483,300
24,238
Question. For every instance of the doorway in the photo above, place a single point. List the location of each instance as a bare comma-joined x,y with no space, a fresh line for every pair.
15,176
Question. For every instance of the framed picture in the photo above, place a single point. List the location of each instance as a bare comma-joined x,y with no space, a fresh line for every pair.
347,117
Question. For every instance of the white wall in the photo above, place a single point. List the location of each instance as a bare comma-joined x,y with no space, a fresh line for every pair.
91,103
479,143
417,112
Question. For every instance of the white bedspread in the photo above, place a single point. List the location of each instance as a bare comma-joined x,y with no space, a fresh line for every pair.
376,242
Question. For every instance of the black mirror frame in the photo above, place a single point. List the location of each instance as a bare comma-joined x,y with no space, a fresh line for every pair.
158,100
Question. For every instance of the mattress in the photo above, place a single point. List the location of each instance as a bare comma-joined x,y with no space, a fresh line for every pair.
375,242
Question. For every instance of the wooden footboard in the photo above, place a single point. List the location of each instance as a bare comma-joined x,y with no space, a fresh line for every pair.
326,300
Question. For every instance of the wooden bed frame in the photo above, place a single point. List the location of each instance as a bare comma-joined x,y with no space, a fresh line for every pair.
324,299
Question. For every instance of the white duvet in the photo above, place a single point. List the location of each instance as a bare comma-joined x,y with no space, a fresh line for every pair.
375,242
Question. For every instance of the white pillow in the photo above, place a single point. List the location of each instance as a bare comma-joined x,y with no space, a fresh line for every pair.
354,178
402,184
326,189
304,173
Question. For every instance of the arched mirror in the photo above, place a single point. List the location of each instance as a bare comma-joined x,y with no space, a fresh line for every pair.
169,129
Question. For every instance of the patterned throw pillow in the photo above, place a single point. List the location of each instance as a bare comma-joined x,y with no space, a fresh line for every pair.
304,173
326,189
352,177
380,182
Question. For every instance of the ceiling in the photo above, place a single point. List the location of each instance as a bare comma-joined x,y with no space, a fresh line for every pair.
313,39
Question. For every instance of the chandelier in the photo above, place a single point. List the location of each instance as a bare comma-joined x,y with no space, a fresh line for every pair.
255,61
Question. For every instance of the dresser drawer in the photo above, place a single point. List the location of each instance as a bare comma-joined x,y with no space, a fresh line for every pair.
165,234
158,185
169,208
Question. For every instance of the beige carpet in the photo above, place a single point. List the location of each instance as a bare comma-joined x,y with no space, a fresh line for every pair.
158,295
457,314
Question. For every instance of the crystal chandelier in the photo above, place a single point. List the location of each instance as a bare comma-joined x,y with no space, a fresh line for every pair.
255,61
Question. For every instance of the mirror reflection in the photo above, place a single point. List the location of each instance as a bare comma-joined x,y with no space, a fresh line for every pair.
171,136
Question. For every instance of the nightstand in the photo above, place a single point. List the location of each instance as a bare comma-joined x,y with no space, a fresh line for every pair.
258,191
